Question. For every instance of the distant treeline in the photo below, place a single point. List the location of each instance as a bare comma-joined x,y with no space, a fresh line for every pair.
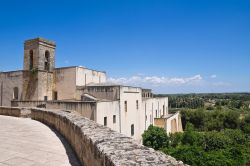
234,96
185,102
193,101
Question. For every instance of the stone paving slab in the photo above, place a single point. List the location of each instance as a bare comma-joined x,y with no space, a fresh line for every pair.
25,142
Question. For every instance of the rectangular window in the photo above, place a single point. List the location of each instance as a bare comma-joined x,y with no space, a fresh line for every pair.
163,110
15,93
55,95
45,98
137,104
132,130
105,121
125,106
114,118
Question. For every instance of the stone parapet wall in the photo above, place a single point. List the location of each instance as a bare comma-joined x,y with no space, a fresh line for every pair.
95,144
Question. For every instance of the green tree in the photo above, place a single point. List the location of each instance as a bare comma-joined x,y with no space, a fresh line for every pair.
190,136
155,137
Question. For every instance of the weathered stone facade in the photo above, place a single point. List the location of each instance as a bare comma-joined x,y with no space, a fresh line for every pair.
39,64
39,47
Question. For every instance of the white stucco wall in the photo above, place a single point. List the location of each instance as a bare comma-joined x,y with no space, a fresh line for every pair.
86,76
108,109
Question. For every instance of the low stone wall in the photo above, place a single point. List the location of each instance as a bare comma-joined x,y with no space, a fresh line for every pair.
87,109
17,103
10,111
95,144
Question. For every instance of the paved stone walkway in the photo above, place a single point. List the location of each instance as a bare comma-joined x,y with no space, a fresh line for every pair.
25,142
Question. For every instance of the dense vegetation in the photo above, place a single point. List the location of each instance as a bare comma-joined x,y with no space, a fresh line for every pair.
227,147
216,132
204,120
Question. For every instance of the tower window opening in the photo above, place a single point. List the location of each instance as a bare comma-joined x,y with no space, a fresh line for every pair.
46,62
31,59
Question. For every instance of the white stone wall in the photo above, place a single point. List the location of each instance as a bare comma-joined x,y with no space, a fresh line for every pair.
108,109
146,107
68,78
151,106
132,115
169,126
101,92
86,76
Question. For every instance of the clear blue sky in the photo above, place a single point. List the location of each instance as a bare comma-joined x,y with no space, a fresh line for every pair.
172,46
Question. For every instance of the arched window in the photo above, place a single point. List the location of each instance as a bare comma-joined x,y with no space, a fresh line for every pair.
31,59
15,93
46,61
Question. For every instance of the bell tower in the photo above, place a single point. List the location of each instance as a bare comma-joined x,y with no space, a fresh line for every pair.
39,54
39,64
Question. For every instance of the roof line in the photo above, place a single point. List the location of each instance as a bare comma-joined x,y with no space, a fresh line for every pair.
79,67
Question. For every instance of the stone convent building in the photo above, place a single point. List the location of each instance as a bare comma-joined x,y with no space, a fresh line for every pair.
128,110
